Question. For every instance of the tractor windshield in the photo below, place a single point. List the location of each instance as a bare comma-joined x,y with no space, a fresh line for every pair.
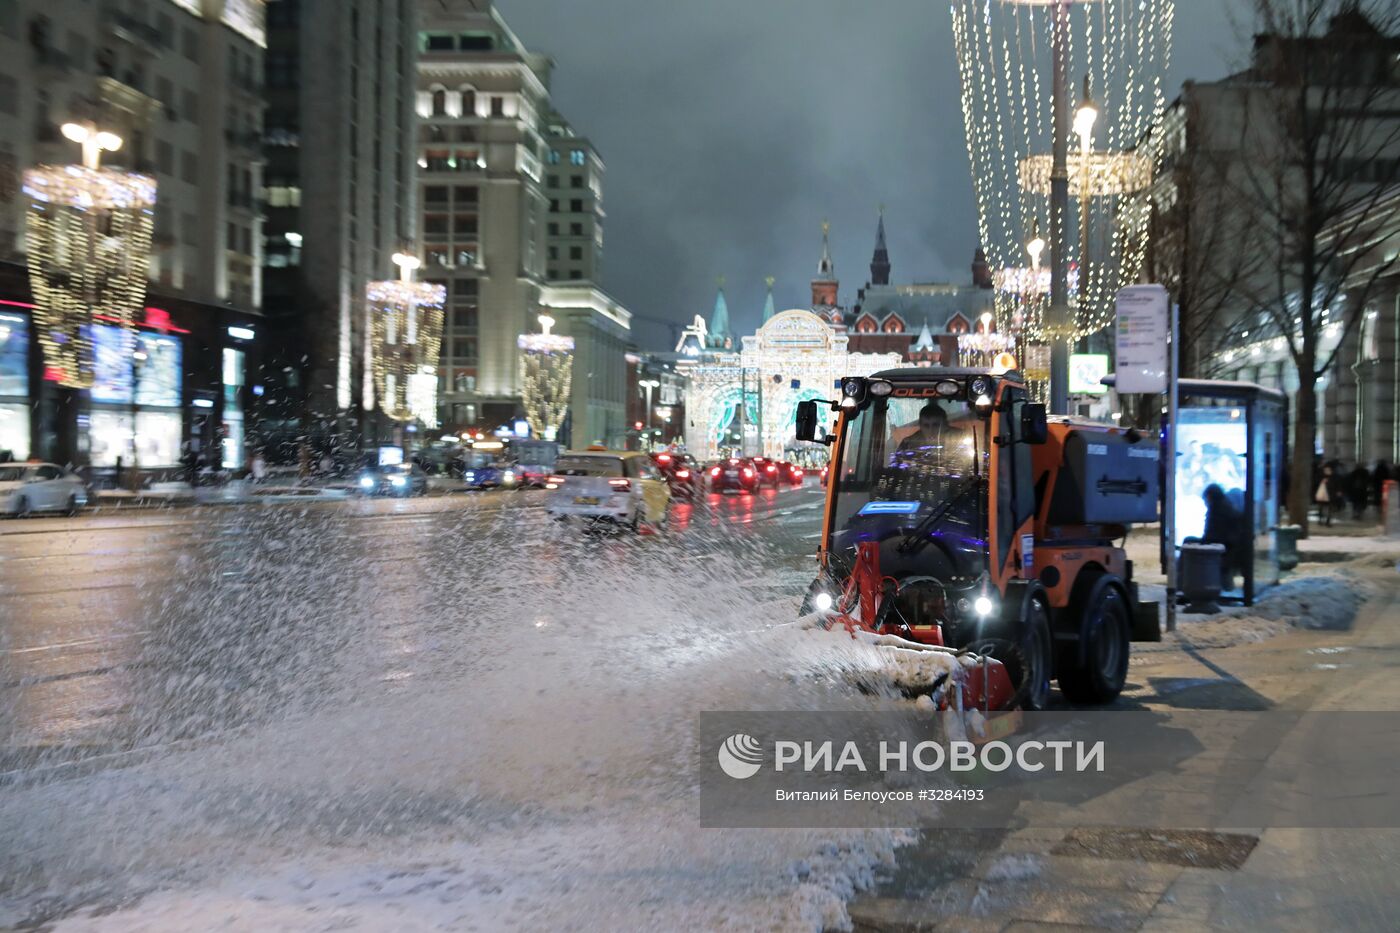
907,460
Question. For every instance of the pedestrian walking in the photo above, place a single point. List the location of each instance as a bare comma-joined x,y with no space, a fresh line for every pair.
1359,490
327,464
258,468
1322,496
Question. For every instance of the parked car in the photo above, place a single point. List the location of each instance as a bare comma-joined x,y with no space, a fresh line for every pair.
735,474
614,486
26,488
400,479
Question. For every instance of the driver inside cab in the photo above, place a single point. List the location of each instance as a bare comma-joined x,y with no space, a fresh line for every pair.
933,447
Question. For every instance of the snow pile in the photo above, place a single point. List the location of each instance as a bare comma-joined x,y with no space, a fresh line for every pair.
1328,600
453,750
1015,868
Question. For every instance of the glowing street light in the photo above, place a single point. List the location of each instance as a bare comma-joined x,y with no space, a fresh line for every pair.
93,141
1084,118
1035,246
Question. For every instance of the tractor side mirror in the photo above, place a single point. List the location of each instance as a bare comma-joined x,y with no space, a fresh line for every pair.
807,420
1034,429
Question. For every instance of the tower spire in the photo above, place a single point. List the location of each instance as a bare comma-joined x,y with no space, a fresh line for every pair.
880,260
768,302
719,320
824,286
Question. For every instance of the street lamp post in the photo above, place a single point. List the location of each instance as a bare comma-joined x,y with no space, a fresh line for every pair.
1059,328
649,385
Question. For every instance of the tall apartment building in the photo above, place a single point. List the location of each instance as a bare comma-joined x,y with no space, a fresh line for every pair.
339,193
573,183
510,197
180,81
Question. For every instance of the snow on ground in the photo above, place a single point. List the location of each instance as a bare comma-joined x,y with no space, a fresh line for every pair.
529,767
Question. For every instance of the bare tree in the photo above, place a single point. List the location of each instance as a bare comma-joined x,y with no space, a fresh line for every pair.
1318,151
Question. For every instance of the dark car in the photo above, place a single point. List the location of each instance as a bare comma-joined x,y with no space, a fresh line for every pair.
681,472
768,472
792,473
735,474
402,479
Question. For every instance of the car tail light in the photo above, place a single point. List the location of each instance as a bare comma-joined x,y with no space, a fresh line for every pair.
663,458
556,480
621,485
748,472
772,469
682,474
714,471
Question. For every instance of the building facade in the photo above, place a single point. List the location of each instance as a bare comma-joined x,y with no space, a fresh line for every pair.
180,82
339,198
574,188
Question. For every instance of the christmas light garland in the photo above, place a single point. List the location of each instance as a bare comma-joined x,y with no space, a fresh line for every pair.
407,321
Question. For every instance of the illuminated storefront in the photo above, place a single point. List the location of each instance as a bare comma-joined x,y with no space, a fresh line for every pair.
14,385
143,429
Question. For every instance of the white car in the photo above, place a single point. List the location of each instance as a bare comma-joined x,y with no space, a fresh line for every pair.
39,487
607,485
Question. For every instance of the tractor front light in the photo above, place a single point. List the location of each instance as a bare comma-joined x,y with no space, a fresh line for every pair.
823,602
983,606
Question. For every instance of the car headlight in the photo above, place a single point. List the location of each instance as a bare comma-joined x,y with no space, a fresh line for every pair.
398,480
367,482
471,474
508,476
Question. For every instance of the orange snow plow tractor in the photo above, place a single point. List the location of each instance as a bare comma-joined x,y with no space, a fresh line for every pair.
959,517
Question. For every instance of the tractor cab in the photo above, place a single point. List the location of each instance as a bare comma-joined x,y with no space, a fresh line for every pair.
919,453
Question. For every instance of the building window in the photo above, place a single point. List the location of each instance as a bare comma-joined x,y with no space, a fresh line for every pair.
435,225
439,103
464,289
498,106
553,229
576,206
551,181
575,253
464,318
575,181
437,42
578,157
466,256
435,194
554,252
469,103
553,157
575,229
553,206
464,224
575,274
465,194
552,274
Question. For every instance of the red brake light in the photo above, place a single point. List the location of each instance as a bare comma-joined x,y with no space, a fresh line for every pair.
748,472
714,471
557,480
663,458
772,469
683,474
620,484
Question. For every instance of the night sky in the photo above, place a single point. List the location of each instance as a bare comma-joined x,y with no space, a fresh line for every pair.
732,128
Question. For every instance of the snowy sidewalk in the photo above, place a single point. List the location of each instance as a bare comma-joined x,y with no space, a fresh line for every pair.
1172,881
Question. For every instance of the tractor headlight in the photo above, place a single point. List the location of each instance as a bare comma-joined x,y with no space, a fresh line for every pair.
854,387
983,606
880,388
367,482
980,386
398,482
823,602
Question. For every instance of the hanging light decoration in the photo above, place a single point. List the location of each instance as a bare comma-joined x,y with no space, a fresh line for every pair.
546,377
1005,53
89,235
407,320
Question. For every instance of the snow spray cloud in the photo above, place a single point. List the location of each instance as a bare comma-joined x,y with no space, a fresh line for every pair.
1125,768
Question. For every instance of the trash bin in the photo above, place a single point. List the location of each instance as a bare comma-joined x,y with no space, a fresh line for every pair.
1200,576
1286,545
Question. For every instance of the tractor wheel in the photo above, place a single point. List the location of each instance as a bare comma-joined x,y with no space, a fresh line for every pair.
1031,670
1094,670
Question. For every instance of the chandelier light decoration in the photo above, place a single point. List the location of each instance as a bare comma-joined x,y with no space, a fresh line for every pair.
89,234
546,375
407,317
1006,49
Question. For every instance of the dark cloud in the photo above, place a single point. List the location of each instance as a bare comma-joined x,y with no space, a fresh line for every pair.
732,128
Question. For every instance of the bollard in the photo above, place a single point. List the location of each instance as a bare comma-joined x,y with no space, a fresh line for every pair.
1390,508
1286,545
1200,579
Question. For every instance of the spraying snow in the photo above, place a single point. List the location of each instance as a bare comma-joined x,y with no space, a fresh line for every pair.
424,738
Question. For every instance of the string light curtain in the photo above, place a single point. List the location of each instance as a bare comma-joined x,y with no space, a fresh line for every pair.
89,246
1004,50
407,341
